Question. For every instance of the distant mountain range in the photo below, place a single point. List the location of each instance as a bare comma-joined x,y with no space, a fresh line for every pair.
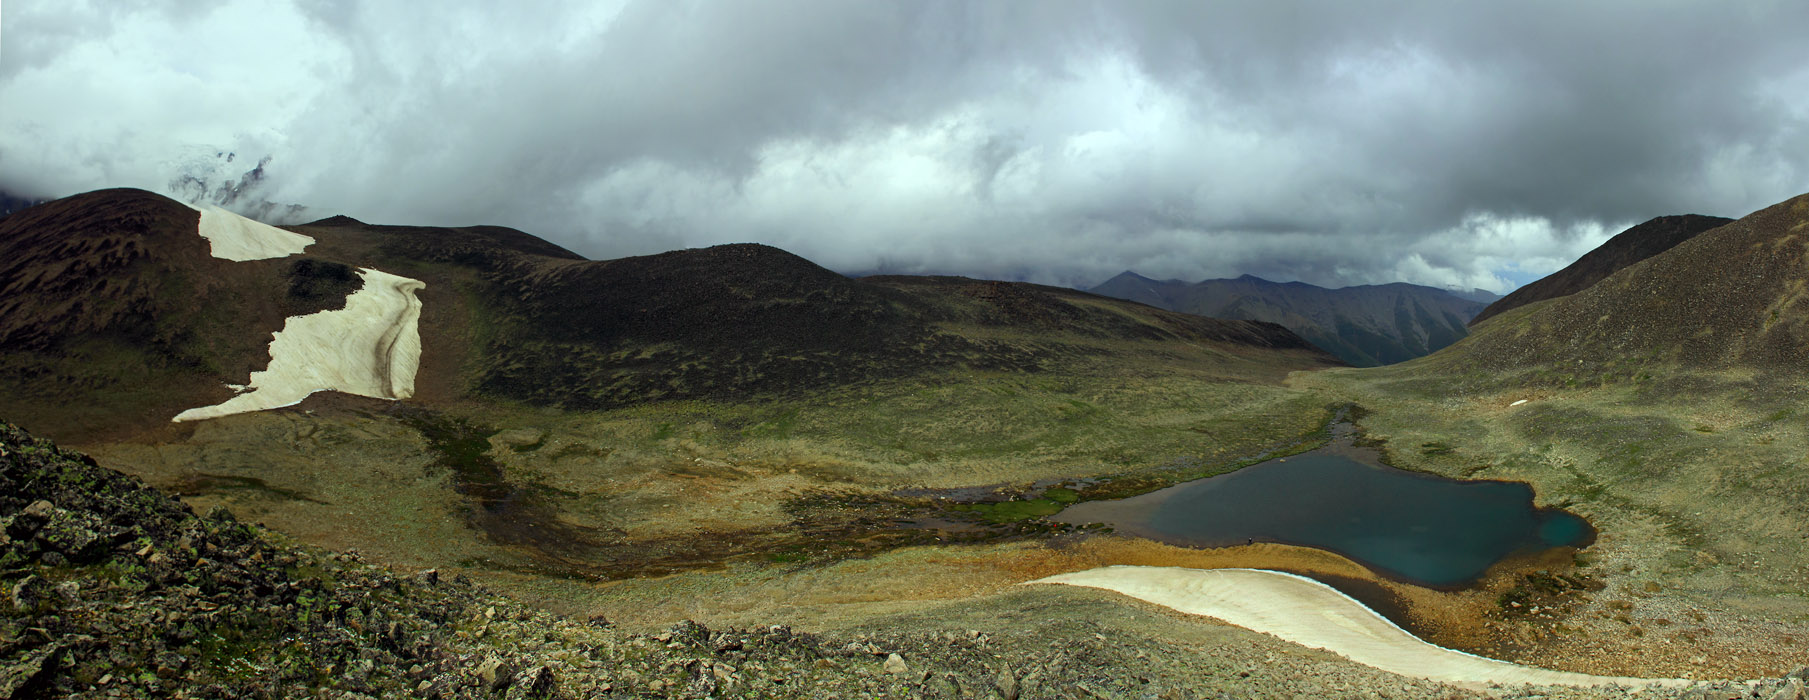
1365,326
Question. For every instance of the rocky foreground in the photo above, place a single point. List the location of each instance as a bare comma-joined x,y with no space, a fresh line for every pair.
109,589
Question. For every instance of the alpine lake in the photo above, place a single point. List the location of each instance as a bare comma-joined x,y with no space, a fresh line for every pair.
1418,528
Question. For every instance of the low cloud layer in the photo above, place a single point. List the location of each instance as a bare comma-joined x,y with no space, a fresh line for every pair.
1335,143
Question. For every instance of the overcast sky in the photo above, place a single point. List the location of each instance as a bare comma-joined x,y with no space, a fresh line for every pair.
1448,143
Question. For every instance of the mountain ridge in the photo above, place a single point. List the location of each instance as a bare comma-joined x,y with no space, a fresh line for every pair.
1625,248
1363,325
509,315
1727,296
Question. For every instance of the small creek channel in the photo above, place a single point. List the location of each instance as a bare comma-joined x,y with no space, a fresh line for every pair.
1418,528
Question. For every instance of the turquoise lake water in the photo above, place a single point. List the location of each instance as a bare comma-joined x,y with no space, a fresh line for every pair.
1415,527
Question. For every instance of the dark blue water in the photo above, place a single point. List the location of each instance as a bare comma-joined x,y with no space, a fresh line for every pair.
1416,527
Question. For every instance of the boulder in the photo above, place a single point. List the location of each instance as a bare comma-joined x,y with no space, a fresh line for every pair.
536,682
76,536
494,673
29,593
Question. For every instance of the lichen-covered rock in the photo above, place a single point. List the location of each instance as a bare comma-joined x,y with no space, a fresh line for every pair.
128,585
29,594
28,676
518,439
532,684
492,674
79,537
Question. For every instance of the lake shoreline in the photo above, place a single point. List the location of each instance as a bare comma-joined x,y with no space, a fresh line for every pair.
1415,528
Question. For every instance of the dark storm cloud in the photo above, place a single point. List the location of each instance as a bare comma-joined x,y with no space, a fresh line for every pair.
1339,143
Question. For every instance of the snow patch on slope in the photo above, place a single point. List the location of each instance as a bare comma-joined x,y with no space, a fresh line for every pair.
1312,614
239,239
372,347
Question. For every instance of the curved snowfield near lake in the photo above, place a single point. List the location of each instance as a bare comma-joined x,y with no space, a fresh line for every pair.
372,347
236,238
1312,614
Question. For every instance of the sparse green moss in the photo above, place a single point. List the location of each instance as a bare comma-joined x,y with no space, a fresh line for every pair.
1014,511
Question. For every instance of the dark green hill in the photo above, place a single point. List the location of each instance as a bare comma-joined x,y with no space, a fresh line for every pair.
1364,326
723,321
738,320
1626,248
1034,307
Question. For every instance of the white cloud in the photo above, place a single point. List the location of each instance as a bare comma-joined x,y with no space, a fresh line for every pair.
1063,141
1486,249
161,86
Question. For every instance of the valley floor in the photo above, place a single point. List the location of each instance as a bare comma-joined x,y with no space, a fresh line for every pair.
753,514
1703,556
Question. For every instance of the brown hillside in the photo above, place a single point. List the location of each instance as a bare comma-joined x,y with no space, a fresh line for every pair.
517,318
737,320
722,321
1024,305
109,289
110,303
1737,295
1626,248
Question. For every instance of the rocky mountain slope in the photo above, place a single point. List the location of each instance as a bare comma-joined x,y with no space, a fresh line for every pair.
1624,249
1365,325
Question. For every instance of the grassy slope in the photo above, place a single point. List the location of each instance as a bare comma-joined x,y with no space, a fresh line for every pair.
689,469
119,591
1626,248
765,384
1700,504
